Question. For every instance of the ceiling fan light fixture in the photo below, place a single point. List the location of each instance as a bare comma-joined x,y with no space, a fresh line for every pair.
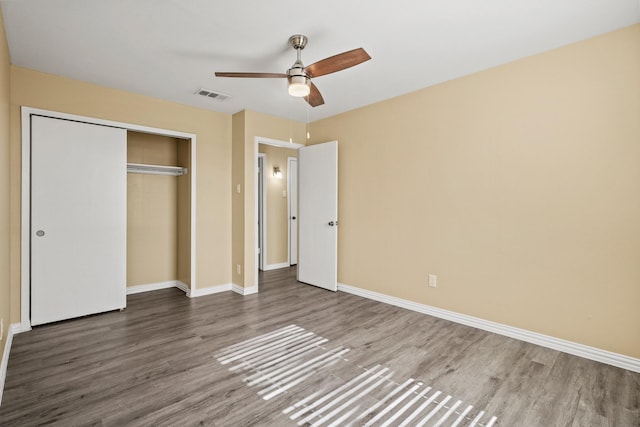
299,86
299,77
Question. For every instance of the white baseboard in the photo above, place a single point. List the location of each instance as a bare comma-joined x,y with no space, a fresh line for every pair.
24,326
276,266
187,290
151,287
592,353
160,285
18,328
183,287
244,291
13,329
198,292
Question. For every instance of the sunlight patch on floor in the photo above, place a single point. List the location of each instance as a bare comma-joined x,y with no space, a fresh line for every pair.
281,360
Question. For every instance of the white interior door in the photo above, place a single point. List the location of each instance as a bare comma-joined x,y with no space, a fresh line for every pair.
78,219
318,215
292,174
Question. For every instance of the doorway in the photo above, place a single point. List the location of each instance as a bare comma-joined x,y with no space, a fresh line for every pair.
158,224
275,202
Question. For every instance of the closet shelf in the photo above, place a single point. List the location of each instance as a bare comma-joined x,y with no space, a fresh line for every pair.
155,169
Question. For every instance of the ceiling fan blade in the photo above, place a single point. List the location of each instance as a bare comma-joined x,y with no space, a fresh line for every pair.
314,98
337,62
253,75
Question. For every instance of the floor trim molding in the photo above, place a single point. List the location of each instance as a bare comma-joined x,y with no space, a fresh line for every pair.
183,287
13,329
187,290
198,292
244,291
151,287
576,349
270,267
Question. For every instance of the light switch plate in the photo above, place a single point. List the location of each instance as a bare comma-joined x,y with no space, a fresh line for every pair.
433,280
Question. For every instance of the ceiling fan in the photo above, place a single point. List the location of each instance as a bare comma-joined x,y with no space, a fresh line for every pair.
299,76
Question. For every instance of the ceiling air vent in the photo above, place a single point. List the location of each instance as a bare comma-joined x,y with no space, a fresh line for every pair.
211,94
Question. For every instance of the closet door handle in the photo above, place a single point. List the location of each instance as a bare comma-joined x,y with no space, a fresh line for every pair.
40,233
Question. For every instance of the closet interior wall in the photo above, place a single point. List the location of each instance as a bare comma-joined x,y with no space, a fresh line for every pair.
158,212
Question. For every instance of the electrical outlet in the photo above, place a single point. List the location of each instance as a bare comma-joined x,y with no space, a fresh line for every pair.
433,280
238,269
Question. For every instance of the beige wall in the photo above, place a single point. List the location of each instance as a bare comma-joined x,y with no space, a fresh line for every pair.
247,125
5,189
237,201
519,187
152,211
213,150
277,203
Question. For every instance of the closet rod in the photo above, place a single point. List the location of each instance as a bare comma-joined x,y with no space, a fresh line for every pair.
155,169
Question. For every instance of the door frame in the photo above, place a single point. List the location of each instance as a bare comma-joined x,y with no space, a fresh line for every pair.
276,143
262,229
290,160
25,227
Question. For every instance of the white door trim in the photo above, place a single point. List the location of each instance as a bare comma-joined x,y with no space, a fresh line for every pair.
263,220
290,160
25,233
276,143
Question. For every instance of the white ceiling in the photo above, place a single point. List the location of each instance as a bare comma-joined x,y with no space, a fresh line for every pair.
170,48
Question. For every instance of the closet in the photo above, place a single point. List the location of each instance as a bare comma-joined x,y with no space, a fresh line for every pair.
109,208
158,210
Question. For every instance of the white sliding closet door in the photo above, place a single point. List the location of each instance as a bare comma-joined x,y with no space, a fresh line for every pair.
78,219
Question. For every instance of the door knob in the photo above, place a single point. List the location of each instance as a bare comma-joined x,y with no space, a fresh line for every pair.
332,223
40,233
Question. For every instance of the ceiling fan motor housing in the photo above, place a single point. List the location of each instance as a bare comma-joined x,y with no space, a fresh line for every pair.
299,82
296,72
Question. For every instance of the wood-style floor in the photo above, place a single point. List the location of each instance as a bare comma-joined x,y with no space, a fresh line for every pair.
159,363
